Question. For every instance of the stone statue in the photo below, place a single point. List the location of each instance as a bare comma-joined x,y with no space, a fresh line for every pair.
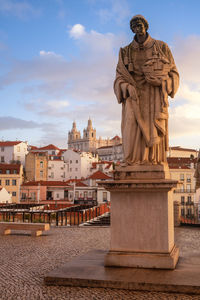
146,75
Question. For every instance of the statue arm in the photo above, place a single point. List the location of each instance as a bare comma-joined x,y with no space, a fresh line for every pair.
172,83
123,85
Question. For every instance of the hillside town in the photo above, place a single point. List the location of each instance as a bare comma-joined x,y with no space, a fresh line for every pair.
30,174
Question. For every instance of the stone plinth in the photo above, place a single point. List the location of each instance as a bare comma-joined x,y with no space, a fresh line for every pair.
142,172
142,224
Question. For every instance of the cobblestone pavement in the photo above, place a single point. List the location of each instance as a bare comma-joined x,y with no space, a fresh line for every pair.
24,260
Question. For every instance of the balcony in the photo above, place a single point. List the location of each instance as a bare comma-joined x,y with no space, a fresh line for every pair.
184,191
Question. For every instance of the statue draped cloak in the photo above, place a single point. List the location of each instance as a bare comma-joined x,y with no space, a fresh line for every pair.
144,123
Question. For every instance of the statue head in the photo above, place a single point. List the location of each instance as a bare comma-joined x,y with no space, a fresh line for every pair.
138,20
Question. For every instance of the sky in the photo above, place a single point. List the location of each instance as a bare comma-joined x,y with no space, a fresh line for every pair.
58,60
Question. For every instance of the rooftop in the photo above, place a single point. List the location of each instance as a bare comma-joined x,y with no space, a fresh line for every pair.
99,175
9,143
13,168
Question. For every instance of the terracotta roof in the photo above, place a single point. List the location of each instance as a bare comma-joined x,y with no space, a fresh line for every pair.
46,183
74,180
10,167
99,175
81,184
32,147
116,138
9,143
49,147
182,149
181,162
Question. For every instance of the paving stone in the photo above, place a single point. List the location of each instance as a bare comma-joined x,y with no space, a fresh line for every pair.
25,260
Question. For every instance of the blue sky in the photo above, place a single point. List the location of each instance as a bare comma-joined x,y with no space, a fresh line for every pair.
58,60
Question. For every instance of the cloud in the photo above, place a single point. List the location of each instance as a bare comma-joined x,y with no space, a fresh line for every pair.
8,123
185,108
77,31
85,81
41,133
20,9
49,54
117,10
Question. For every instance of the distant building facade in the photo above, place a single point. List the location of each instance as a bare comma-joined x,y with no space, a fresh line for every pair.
11,178
80,163
89,141
36,166
13,151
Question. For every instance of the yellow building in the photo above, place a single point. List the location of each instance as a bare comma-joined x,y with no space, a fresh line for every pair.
182,169
11,177
36,166
178,151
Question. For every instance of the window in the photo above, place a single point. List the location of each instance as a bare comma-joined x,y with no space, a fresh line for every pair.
76,195
7,182
41,173
41,164
0,181
18,148
76,169
188,186
188,177
182,212
182,177
18,157
53,152
23,195
189,199
182,188
52,174
70,169
77,161
104,196
14,171
7,171
182,199
2,159
70,162
33,196
57,196
2,149
85,195
14,194
14,182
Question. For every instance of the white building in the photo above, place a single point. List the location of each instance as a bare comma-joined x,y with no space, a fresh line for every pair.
58,169
11,152
5,197
112,153
80,163
178,151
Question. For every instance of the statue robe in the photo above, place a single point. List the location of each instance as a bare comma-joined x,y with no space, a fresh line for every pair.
144,123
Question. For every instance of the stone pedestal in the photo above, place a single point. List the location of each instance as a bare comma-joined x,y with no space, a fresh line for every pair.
142,221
